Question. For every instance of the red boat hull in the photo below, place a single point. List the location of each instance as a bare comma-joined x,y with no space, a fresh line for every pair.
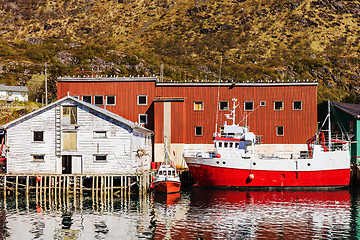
167,186
210,176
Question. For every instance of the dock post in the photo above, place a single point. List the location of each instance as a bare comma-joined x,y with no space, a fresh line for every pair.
101,191
81,187
5,186
129,185
97,188
16,185
27,185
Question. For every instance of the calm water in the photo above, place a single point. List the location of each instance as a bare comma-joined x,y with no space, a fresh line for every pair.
192,214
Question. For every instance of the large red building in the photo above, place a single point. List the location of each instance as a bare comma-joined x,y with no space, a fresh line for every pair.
283,114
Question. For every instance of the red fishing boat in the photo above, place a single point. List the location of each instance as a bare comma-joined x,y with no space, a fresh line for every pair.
167,179
235,162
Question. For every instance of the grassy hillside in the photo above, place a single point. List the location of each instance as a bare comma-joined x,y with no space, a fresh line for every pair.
251,40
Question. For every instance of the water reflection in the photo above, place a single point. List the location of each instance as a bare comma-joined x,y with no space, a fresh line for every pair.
192,214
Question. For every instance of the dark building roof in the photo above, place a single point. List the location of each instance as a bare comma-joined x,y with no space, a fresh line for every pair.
350,108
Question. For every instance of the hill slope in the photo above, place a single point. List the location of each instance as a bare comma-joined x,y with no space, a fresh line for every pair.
244,40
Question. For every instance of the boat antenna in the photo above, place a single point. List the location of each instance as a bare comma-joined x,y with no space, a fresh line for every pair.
329,124
218,96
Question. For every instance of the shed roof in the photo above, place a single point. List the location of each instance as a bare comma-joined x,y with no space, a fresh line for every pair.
3,87
88,105
350,108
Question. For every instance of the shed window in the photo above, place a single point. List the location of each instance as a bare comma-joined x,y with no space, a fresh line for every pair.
38,157
143,118
198,106
100,158
223,105
198,131
99,134
279,131
77,97
110,100
86,99
38,136
99,100
69,141
297,105
71,112
262,103
248,106
142,99
278,105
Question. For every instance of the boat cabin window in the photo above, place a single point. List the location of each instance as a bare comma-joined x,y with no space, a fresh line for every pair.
226,144
220,144
231,145
236,145
169,172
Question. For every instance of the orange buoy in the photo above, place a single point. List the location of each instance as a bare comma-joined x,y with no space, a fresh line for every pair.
151,186
218,155
251,176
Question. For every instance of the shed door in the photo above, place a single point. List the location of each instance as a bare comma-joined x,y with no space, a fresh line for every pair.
76,164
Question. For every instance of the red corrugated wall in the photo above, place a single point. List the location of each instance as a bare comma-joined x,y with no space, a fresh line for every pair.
298,125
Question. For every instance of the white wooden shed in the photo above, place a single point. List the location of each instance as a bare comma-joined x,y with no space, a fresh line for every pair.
70,136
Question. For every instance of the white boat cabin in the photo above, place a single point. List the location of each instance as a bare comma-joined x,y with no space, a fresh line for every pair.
71,136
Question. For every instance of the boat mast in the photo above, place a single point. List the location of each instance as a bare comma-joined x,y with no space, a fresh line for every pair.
329,124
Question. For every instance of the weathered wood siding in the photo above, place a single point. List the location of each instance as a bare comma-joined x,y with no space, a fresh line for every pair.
21,145
120,144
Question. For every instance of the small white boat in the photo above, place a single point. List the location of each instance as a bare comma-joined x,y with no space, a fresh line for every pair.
166,179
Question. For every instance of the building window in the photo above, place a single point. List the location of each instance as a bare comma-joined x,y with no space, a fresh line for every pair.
71,112
297,105
100,158
69,141
38,157
87,99
223,105
38,136
110,100
99,100
198,131
279,131
248,106
99,134
198,106
278,105
142,99
77,97
262,103
143,119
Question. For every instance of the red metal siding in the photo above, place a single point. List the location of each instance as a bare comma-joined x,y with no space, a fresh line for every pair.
298,125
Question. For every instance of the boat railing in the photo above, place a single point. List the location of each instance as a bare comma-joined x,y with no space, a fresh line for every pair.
199,153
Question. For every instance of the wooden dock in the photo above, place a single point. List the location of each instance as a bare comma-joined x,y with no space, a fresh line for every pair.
70,185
